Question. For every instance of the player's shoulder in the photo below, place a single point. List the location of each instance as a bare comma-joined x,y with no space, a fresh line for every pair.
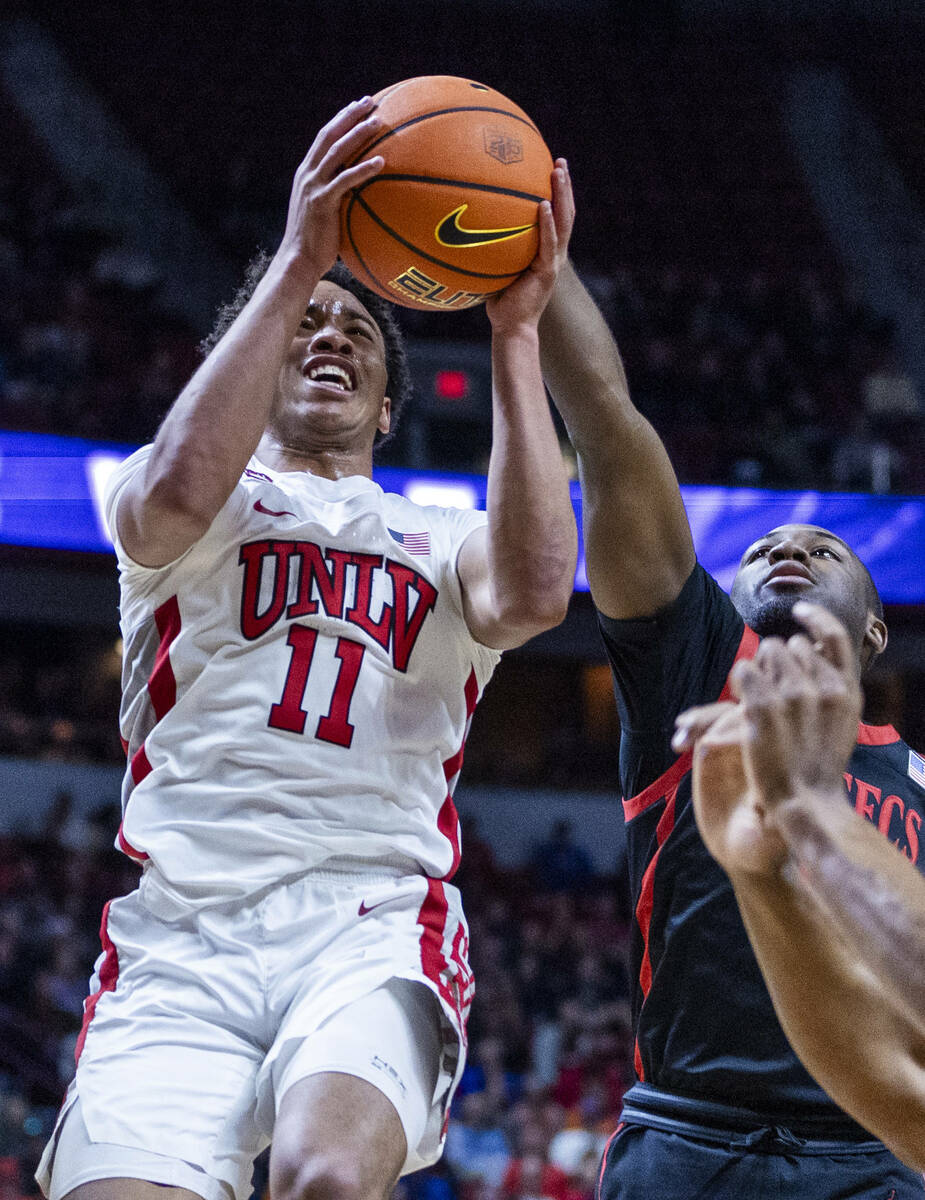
893,760
699,609
409,516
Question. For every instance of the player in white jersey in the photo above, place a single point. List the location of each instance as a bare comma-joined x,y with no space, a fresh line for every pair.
303,653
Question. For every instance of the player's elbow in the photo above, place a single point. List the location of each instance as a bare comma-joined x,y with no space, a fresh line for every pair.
543,602
532,617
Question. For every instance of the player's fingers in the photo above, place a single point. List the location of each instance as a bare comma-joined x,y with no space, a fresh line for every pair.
343,149
694,723
352,177
743,670
770,657
831,691
803,652
563,200
828,633
349,116
549,241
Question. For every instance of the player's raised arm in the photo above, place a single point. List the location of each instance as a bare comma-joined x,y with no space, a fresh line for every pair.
835,914
214,426
637,539
517,574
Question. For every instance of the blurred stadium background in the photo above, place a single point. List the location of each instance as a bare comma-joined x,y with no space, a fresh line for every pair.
750,180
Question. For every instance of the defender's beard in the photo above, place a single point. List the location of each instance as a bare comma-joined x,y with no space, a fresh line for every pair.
774,618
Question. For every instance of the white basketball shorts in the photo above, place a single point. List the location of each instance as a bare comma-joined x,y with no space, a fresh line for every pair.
196,1027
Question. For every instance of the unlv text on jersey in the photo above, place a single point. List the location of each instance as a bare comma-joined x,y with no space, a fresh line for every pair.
397,625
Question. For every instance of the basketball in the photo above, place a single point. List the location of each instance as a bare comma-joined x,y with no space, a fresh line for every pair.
452,216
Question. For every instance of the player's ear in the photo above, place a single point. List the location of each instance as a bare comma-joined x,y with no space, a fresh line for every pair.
875,636
385,416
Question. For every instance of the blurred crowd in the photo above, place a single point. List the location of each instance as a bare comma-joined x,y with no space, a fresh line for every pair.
59,695
776,378
550,1043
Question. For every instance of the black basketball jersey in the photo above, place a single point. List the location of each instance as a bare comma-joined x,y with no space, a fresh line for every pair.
705,1024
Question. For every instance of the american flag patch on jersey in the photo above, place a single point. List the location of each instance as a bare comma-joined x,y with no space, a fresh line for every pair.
917,768
414,543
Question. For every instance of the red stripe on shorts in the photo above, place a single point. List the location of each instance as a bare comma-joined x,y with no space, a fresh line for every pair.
432,919
600,1178
108,975
127,848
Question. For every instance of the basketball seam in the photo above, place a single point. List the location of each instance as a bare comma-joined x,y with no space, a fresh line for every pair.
358,199
460,183
356,250
442,112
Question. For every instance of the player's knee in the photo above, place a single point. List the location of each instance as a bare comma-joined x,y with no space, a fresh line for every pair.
322,1178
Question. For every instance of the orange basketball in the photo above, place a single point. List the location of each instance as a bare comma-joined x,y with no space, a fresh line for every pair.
452,216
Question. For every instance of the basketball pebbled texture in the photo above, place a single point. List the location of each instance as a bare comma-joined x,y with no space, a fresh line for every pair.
452,216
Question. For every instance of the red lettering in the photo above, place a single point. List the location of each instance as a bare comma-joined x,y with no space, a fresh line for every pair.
408,627
313,568
860,803
251,557
913,825
849,779
380,631
886,814
288,713
335,726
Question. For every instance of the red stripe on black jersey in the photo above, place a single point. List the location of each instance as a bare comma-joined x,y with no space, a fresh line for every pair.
876,735
656,790
645,905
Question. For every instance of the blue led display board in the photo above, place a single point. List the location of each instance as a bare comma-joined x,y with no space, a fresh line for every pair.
51,496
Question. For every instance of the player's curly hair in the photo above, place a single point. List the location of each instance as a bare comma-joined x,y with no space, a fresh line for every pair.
398,384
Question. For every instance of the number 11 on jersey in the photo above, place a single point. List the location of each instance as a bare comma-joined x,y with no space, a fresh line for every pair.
289,714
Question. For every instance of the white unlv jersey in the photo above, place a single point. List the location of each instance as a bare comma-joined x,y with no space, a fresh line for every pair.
296,687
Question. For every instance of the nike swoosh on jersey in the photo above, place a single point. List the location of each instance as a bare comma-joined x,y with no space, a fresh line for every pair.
449,232
269,512
363,910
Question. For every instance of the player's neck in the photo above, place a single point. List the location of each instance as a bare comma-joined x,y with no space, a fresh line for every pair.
333,462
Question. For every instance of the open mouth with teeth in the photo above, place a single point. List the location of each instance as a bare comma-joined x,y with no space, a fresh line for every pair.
332,375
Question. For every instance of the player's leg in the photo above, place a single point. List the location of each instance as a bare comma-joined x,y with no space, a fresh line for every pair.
355,1098
164,1088
337,1138
129,1189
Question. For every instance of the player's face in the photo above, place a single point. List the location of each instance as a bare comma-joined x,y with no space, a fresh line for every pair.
331,388
804,562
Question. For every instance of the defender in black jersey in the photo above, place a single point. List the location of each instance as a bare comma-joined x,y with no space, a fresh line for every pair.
835,915
723,1109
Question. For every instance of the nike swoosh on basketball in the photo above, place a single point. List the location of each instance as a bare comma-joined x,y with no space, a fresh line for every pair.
450,233
259,506
363,909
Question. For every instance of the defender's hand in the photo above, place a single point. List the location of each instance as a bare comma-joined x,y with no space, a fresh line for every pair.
312,233
523,302
791,734
803,701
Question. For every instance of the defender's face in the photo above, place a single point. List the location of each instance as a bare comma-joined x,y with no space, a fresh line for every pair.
801,562
332,384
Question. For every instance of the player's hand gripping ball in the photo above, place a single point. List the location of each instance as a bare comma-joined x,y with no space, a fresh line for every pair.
452,216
